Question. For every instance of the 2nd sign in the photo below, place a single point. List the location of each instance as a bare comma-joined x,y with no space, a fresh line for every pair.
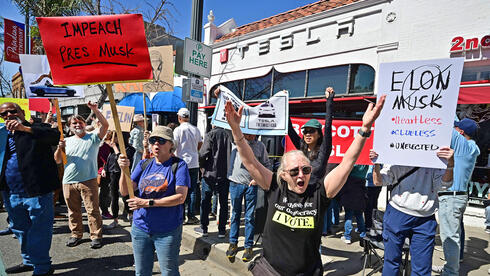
197,58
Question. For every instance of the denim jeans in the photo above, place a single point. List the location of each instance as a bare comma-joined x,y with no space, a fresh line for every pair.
331,215
422,232
167,246
237,193
207,190
451,211
487,216
190,201
348,223
31,220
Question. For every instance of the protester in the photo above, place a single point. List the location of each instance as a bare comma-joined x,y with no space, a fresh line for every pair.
136,138
295,206
188,142
214,159
29,177
102,180
487,213
162,184
453,201
353,197
113,172
372,198
410,212
80,178
242,187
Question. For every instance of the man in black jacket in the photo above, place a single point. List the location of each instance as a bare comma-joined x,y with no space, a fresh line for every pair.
28,178
214,157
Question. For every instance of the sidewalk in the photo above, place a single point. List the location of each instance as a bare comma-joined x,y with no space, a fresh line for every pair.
338,258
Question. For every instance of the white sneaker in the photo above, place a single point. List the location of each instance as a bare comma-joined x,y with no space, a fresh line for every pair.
345,240
111,226
437,268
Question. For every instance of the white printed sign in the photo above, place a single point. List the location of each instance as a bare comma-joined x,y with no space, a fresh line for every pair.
38,81
418,115
268,118
197,87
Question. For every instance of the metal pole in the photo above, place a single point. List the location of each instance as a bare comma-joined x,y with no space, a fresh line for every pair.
196,34
26,39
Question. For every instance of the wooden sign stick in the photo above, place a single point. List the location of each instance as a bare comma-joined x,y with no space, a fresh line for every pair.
60,127
144,109
120,139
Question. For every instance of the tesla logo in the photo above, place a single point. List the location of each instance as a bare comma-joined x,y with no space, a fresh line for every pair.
223,55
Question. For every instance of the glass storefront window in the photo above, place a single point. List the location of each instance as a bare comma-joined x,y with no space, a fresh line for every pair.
293,82
361,79
258,88
476,73
319,79
235,86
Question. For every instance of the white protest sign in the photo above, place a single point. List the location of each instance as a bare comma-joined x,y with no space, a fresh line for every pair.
418,115
268,118
125,114
38,82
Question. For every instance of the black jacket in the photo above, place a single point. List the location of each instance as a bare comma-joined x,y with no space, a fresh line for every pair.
214,156
36,159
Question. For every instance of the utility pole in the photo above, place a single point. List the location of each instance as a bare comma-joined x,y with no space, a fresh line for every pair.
196,34
26,40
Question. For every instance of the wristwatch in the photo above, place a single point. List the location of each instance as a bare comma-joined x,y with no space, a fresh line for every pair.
364,134
151,202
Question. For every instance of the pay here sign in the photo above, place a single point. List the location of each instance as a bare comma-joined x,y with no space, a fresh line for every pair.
418,115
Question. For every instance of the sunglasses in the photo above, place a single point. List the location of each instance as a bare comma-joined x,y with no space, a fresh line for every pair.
295,171
6,112
309,130
155,139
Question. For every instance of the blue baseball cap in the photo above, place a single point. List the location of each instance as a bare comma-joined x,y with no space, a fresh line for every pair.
469,126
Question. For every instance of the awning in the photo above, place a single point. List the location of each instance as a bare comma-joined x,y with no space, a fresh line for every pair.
168,101
474,95
136,100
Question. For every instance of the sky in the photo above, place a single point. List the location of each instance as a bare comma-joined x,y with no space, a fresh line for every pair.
243,12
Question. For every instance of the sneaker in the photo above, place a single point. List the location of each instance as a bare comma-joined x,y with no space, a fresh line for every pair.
107,215
73,241
347,241
200,230
221,235
232,250
487,229
19,268
111,226
96,243
192,220
50,272
437,268
248,255
6,231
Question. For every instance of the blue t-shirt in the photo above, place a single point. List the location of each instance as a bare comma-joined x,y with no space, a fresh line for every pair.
13,176
81,157
465,154
157,181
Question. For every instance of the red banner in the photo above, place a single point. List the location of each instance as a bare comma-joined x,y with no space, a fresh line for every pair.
343,133
14,40
96,49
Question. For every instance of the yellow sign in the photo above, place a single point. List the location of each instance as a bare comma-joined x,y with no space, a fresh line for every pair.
293,222
23,103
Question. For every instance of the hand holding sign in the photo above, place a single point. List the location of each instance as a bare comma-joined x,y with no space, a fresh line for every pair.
232,116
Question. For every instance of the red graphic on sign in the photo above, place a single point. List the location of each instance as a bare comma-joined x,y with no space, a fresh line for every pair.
96,49
343,133
14,40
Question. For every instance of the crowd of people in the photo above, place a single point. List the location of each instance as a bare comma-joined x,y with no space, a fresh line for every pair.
171,165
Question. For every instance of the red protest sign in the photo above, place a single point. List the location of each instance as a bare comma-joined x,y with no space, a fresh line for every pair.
14,40
96,49
343,133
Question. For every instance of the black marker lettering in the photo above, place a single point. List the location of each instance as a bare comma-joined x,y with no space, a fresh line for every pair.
66,29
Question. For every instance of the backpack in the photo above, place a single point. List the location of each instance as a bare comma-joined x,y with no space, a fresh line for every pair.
175,163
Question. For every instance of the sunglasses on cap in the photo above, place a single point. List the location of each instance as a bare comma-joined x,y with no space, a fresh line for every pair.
6,112
309,130
155,139
295,171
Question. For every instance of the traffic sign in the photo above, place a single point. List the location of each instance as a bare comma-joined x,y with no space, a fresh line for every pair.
197,58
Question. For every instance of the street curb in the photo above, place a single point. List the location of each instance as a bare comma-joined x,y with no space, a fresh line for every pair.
213,249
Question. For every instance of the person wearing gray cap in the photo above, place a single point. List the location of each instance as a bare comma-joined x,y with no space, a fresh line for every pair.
162,184
136,138
188,142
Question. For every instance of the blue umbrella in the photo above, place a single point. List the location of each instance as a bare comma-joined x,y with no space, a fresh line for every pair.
168,101
136,100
